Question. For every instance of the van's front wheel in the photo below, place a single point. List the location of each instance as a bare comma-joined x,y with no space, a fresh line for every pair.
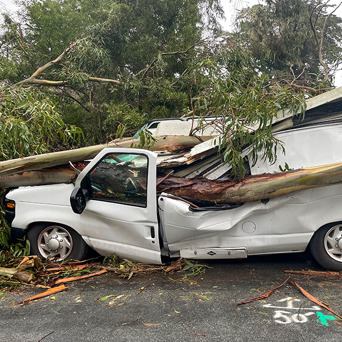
326,246
58,242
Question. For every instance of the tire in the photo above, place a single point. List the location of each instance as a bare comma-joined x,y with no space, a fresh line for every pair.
57,242
326,246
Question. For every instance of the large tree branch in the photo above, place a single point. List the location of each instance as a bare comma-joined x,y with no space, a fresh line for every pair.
35,81
55,61
33,78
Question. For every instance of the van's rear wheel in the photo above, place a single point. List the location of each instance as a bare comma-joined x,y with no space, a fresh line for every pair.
58,242
326,246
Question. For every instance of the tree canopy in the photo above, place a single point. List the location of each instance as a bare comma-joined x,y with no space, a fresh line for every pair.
120,40
289,38
108,65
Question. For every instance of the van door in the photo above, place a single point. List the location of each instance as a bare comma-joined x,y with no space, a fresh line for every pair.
121,214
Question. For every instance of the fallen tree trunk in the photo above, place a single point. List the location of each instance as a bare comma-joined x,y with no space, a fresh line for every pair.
48,160
253,188
62,174
23,171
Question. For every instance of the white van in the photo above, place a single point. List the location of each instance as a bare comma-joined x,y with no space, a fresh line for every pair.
113,207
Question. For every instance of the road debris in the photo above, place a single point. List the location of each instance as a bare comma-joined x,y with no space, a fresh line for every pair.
128,323
46,336
266,295
143,288
14,272
314,299
327,274
19,272
48,292
113,299
49,274
66,280
305,293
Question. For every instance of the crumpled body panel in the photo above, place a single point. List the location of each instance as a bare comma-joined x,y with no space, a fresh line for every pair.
283,224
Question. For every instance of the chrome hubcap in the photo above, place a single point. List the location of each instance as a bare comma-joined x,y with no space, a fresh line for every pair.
333,242
55,242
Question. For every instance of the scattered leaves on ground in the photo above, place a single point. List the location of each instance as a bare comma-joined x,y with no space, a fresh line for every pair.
31,271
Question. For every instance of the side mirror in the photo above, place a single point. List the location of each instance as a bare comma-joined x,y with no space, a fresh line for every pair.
78,200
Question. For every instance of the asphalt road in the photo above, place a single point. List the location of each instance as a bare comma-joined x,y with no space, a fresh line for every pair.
160,307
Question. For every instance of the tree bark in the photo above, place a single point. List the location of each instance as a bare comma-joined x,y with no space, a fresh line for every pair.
21,172
55,175
13,272
254,188
166,143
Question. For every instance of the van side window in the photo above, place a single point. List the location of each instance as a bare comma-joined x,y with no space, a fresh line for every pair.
120,178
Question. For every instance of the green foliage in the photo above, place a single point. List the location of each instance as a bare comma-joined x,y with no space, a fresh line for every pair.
122,114
111,260
246,101
153,48
115,39
279,36
146,139
31,125
193,268
4,232
42,31
9,250
135,32
164,99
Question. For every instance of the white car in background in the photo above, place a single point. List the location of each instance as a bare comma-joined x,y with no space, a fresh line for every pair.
179,126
